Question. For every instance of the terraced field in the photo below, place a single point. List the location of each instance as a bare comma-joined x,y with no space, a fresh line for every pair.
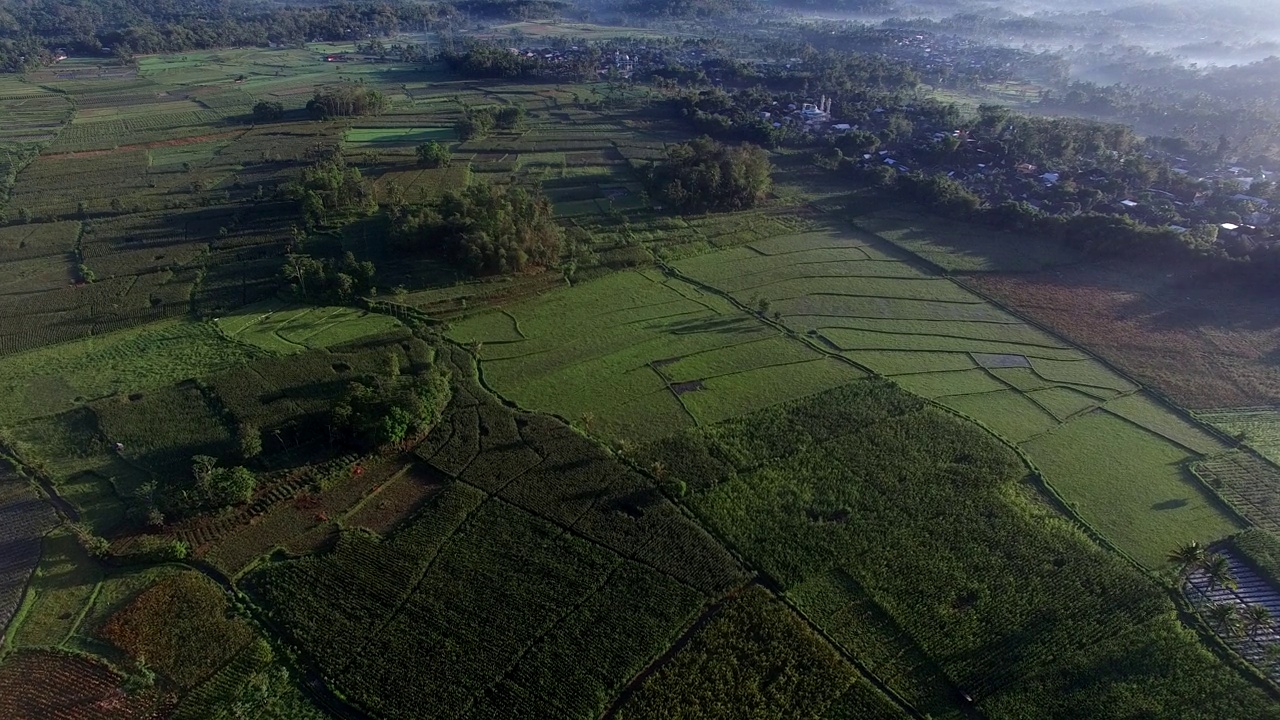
852,295
637,354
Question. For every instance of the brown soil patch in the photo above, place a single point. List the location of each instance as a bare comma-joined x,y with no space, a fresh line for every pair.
46,685
398,500
177,142
1206,344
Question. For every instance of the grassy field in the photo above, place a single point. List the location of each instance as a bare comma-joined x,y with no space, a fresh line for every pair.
1259,427
766,524
637,354
1130,484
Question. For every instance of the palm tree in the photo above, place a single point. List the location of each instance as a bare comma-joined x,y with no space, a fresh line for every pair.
1218,570
1257,618
1188,557
1225,618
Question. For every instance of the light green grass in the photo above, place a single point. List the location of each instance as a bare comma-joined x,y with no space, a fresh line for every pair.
729,396
370,138
1008,413
851,339
960,247
940,384
60,592
281,328
1259,427
58,377
1090,373
1162,420
1064,402
1130,484
899,362
607,350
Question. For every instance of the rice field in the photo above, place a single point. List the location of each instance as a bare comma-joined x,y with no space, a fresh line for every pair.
1115,453
637,354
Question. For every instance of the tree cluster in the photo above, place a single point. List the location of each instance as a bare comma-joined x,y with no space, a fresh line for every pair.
347,100
707,175
433,154
487,229
330,190
328,280
479,123
268,111
381,411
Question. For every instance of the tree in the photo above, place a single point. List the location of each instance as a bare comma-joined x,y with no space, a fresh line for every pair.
347,100
390,410
707,175
475,125
487,229
249,441
219,487
1225,618
268,111
433,154
1218,571
1256,619
1187,557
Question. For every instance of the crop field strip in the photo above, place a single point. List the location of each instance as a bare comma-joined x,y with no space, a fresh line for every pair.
1250,589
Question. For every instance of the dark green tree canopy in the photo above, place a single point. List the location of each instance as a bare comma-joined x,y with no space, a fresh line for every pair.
346,100
487,229
707,175
379,411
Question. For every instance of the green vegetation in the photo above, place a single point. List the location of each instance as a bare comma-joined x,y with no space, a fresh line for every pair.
347,100
487,229
753,660
516,402
1130,485
875,484
706,175
432,154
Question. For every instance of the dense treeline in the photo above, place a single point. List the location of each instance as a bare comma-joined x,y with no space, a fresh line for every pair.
30,31
346,100
511,9
332,280
486,229
707,175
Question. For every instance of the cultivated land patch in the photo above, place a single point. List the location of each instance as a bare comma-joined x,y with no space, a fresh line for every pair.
847,297
960,247
1203,345
1130,483
906,534
1258,427
638,354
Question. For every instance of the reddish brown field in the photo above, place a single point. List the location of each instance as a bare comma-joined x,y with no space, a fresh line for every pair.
42,685
1204,344
397,500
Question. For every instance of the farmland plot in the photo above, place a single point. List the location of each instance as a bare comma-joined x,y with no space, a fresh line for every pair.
641,355
1130,484
1259,427
925,513
483,598
25,518
63,686
851,297
1250,589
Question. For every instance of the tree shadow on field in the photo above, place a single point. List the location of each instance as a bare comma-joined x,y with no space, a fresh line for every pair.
731,326
1172,504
